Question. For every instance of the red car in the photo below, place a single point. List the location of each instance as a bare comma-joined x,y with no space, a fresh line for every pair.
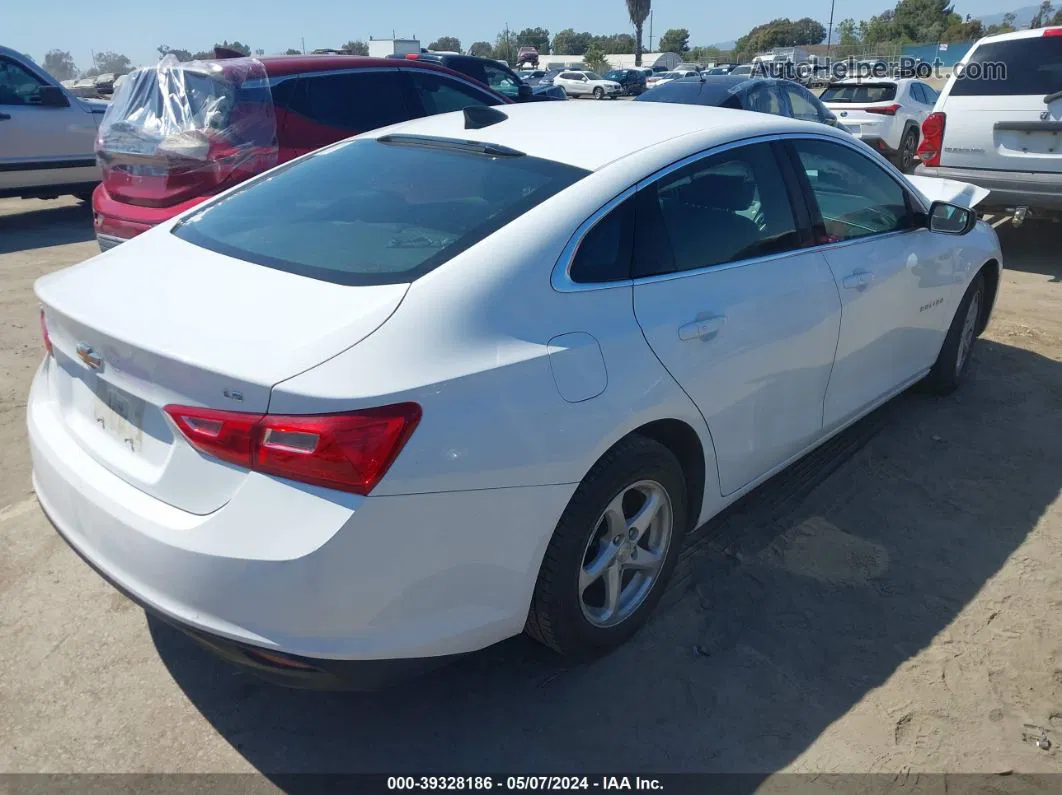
179,133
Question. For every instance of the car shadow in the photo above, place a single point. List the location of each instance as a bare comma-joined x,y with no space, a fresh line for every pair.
48,224
793,606
1031,248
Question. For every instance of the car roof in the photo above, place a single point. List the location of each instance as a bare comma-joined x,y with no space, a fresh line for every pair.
277,65
855,81
1026,33
580,133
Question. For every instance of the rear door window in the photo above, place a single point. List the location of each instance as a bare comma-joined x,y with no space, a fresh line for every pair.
371,212
1012,68
803,105
355,101
17,85
436,93
724,208
860,93
765,98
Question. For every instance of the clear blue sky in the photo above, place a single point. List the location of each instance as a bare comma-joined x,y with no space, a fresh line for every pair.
136,27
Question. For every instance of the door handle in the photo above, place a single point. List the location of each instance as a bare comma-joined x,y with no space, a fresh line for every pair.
858,281
704,329
5,116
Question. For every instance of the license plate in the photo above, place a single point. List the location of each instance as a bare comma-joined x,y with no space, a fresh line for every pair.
120,415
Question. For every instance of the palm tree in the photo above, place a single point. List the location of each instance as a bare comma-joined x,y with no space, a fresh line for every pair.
639,12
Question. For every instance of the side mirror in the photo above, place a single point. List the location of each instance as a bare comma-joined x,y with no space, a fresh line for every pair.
951,219
51,97
523,91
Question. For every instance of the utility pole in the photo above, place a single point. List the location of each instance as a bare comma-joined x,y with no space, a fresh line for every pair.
303,45
829,36
651,30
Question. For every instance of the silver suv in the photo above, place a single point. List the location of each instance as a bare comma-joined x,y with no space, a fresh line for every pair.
47,134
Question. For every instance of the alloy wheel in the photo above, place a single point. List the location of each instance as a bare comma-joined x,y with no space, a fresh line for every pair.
625,553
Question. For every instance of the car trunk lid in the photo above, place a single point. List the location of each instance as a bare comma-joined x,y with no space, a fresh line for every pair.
159,321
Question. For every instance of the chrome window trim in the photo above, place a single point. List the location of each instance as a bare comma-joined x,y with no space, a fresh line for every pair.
561,279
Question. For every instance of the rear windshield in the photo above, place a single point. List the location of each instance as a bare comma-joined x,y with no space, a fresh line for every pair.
370,212
862,93
1012,68
692,92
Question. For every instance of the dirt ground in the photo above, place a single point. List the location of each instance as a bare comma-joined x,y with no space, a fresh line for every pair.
891,605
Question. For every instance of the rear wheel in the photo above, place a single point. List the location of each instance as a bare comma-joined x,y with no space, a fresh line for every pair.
599,93
954,357
908,148
613,551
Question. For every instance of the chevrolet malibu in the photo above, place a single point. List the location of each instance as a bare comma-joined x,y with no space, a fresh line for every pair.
480,373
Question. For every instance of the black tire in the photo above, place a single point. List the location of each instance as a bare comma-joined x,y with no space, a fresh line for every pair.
949,369
599,93
556,618
905,159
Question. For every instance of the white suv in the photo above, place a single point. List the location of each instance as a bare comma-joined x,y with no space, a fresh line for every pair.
886,114
998,122
47,134
581,84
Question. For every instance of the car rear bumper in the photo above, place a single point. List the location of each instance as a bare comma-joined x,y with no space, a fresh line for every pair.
322,578
117,221
1008,189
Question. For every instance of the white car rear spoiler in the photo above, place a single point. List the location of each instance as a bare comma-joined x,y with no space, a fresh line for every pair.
935,189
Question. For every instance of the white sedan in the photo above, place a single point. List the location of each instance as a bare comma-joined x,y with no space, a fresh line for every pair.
587,84
480,373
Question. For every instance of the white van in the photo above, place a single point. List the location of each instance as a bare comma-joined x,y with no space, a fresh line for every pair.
998,122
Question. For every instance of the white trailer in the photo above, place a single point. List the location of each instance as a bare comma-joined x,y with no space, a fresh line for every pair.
382,48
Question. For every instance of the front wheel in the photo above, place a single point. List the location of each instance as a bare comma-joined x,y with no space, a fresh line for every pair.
613,551
954,357
599,93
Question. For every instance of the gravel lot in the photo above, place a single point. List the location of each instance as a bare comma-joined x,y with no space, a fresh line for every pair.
889,606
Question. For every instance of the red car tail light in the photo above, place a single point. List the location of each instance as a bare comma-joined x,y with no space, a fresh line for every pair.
932,143
45,335
349,452
887,110
1053,31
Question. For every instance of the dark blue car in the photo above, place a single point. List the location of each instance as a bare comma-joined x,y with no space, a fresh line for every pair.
761,94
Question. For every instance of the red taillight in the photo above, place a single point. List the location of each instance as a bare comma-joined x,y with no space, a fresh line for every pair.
45,335
932,139
412,56
1053,31
885,110
228,435
349,452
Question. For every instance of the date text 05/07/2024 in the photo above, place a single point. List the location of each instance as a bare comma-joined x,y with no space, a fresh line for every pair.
520,783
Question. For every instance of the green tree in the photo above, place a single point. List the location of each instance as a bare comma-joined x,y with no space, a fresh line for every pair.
505,48
675,40
180,55
110,63
481,49
704,55
446,44
292,51
638,11
1043,16
847,32
568,42
616,44
1006,26
807,31
920,20
356,47
534,37
60,65
960,29
236,46
594,59
877,29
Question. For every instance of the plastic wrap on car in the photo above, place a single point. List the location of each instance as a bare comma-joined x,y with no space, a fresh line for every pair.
205,123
